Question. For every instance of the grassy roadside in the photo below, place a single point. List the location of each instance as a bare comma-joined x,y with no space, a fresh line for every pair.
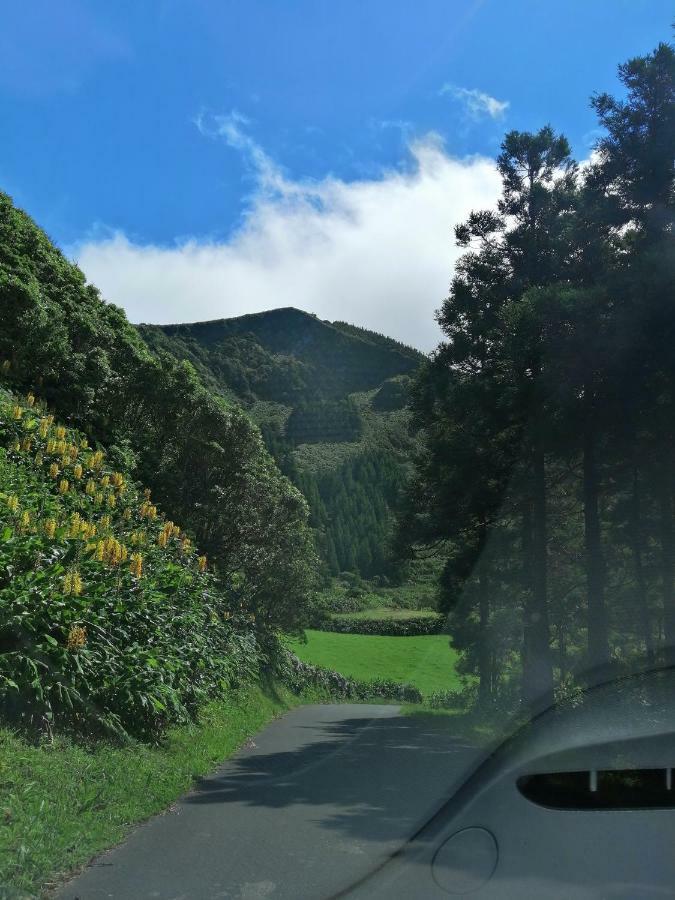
62,803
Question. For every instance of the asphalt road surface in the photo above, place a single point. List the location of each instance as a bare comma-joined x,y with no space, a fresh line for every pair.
317,800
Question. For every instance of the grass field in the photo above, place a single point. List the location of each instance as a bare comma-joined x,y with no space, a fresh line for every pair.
386,614
427,662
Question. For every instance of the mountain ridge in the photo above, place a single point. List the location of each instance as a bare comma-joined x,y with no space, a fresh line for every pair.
285,354
330,400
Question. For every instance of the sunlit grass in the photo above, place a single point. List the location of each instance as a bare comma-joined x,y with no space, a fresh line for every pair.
427,661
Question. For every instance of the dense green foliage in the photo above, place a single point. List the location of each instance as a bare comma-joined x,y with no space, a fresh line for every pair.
204,459
285,355
108,618
331,421
300,378
393,394
547,471
350,511
405,626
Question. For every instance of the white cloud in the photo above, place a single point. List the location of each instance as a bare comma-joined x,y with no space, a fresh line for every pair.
476,103
378,253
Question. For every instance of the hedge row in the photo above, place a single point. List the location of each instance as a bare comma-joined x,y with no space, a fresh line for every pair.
412,627
299,675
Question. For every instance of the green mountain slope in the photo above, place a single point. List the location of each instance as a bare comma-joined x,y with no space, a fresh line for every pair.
284,355
330,399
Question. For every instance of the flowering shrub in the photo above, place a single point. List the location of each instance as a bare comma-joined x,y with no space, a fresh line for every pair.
109,619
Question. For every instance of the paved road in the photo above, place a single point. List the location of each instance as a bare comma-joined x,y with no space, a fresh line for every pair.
322,796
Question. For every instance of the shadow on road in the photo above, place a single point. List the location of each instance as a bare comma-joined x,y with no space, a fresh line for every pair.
371,778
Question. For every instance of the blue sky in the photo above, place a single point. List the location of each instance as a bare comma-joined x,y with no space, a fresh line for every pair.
133,130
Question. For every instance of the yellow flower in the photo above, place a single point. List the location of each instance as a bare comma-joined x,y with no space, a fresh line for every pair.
13,503
43,430
146,493
65,460
60,433
163,538
77,471
16,447
105,481
148,511
186,545
117,479
118,554
77,638
175,531
26,445
17,412
39,458
202,563
6,366
72,584
60,447
91,487
25,520
111,501
136,565
75,523
111,551
127,513
105,522
30,399
97,459
98,499
53,471
50,528
64,486
51,445
84,444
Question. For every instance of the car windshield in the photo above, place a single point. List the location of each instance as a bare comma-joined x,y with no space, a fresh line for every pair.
337,449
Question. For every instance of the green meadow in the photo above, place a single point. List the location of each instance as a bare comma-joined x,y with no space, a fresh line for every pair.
427,661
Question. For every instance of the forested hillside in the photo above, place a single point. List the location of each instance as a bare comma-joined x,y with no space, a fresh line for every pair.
202,457
285,355
547,472
330,399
